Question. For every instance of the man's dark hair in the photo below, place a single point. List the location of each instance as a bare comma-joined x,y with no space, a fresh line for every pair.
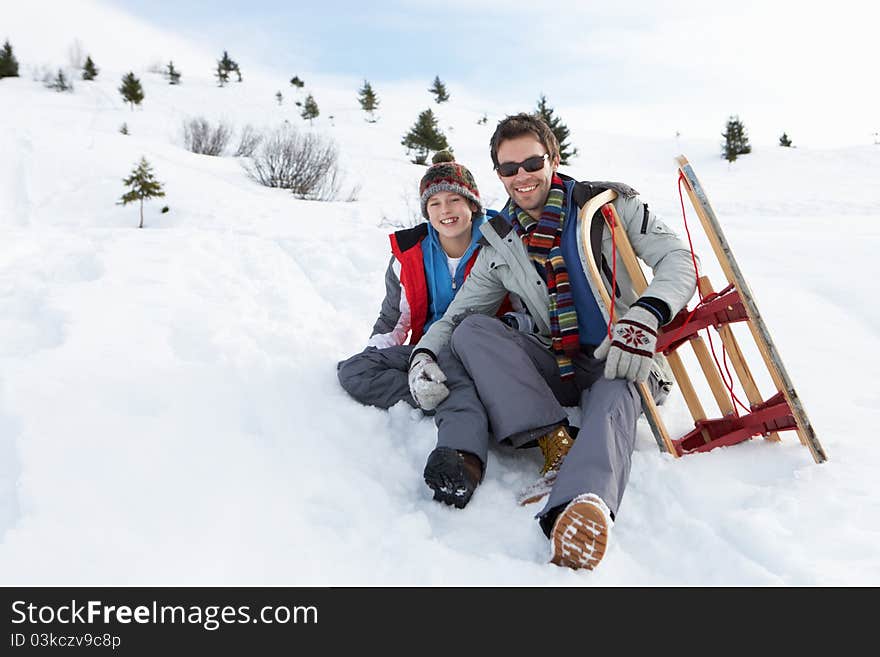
517,125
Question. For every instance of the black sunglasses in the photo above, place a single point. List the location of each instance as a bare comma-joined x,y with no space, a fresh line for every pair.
532,164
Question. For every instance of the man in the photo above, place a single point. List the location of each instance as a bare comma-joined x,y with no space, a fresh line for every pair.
568,354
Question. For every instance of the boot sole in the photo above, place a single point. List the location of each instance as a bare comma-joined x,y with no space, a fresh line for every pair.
537,490
579,537
443,477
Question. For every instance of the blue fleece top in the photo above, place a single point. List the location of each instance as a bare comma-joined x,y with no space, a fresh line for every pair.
592,327
441,286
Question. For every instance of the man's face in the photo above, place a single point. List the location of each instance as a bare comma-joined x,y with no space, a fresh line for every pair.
529,190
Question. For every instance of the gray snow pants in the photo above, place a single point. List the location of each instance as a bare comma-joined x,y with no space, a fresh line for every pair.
378,377
517,379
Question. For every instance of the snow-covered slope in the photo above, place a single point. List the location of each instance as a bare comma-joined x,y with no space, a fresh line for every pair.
169,411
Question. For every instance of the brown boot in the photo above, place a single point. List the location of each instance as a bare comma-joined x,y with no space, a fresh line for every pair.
554,446
580,534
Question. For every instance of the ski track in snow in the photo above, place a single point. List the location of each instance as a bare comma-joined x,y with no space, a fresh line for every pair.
169,410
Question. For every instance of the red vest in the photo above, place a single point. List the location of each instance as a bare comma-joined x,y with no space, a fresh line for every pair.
406,245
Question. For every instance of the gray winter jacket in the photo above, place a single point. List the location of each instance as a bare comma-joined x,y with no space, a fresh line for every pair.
504,266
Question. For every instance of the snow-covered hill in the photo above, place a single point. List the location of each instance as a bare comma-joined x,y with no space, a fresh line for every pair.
169,411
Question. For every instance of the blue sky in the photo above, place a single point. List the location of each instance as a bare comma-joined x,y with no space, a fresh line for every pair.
642,67
780,64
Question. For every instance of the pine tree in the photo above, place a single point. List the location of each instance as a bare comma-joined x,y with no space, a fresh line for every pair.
296,82
368,100
225,66
8,62
123,129
131,90
785,141
221,74
736,140
142,185
310,109
566,150
172,74
90,72
439,90
59,83
279,97
424,137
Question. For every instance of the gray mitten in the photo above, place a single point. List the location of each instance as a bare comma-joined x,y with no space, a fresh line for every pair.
630,351
426,382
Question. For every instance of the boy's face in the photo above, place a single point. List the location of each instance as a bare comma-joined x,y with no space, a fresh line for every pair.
450,214
528,189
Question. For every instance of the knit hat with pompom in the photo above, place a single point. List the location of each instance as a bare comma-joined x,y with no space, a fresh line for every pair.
447,175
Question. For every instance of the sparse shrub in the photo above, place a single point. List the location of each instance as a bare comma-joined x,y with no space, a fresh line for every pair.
202,138
123,129
305,163
248,142
60,82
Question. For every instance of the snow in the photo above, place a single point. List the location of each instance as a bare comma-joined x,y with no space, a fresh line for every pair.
169,410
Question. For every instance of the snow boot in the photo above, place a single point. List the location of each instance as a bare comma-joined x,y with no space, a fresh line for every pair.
554,446
453,475
580,533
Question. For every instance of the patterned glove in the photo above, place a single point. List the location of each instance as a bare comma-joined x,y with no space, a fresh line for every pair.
630,350
426,382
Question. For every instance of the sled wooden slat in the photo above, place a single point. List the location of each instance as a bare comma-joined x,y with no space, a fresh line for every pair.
707,364
743,373
648,405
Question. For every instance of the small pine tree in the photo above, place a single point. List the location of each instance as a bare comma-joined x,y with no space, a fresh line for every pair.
172,74
310,109
8,62
131,90
439,90
483,120
60,83
368,100
225,66
566,150
142,185
123,129
296,82
221,74
90,72
279,97
736,140
425,136
785,141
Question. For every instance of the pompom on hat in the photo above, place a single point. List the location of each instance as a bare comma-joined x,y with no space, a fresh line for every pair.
447,175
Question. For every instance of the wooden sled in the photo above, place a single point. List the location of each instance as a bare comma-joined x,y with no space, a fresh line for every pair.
781,412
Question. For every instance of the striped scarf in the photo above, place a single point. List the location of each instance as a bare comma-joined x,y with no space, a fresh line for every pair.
542,239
